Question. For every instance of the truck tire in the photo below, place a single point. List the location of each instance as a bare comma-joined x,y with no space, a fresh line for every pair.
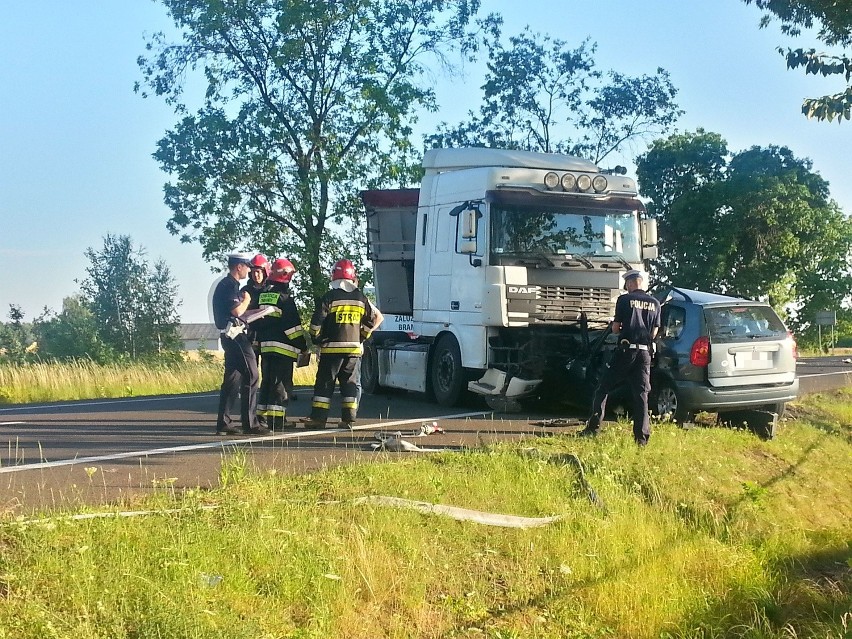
664,400
448,378
370,369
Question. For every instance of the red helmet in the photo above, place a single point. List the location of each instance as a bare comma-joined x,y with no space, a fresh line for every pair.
343,270
260,261
282,271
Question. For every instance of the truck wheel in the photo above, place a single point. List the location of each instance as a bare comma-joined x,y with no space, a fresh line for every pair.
666,401
370,369
446,372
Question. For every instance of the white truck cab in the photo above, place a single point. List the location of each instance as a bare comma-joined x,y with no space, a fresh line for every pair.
498,272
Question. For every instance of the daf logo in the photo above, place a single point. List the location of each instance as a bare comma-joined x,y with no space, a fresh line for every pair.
524,290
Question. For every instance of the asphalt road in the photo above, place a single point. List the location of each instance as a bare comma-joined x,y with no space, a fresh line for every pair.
70,454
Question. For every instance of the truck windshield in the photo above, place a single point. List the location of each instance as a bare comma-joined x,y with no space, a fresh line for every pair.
575,231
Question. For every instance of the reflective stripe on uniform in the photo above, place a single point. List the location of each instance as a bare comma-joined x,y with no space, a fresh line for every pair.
279,348
321,402
342,348
294,332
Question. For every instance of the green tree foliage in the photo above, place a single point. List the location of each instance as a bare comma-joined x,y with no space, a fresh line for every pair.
756,223
72,334
306,101
17,340
134,304
834,21
541,95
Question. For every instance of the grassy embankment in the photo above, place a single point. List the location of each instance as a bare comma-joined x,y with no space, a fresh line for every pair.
30,383
708,532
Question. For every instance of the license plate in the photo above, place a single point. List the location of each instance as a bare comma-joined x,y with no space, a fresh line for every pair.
754,360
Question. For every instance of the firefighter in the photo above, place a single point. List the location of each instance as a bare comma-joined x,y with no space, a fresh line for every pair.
229,302
282,339
343,319
637,320
259,266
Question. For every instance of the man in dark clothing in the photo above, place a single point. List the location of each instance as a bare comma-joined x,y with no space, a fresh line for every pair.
282,340
637,320
343,319
229,302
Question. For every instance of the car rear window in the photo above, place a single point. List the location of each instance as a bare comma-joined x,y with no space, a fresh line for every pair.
743,322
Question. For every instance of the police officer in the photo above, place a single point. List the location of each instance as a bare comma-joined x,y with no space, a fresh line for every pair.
637,320
282,340
229,302
343,319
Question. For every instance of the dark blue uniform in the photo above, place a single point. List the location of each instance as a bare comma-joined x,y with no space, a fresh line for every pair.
241,372
639,314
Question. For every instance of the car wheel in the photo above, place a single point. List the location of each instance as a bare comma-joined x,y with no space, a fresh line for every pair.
762,423
665,401
370,369
446,372
778,408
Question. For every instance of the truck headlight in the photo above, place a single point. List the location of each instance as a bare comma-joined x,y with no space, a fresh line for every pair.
584,182
569,182
551,180
599,183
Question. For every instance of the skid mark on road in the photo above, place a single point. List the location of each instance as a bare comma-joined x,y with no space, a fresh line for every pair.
225,444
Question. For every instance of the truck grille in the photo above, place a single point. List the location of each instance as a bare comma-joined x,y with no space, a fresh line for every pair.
565,303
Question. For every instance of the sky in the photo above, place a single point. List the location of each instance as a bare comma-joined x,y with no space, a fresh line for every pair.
76,142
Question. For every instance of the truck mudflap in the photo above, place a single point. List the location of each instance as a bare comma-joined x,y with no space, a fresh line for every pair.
502,392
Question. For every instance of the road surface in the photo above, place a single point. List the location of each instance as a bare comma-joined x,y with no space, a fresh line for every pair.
70,454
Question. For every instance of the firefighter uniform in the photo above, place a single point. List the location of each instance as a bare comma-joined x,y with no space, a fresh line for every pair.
282,339
342,321
638,316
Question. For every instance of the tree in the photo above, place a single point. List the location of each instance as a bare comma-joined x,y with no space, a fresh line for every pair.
835,30
17,340
72,334
135,306
538,93
756,223
305,100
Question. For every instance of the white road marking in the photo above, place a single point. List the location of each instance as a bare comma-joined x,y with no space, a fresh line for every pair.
827,374
224,444
126,400
119,400
11,423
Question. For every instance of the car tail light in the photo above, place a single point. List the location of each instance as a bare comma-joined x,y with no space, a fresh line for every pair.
795,346
699,354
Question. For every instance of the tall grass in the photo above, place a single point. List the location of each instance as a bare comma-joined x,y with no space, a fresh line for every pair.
84,379
708,532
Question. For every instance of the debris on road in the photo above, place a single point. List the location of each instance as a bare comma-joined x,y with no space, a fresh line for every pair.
461,514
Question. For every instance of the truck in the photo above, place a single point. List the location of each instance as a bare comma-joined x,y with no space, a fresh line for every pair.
498,276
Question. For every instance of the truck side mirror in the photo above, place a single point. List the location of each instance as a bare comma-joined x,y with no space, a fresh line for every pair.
469,224
648,231
467,215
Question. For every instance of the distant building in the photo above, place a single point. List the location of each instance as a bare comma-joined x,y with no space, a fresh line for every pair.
197,337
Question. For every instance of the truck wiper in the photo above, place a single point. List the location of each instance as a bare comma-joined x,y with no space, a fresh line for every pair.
611,256
537,258
582,259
